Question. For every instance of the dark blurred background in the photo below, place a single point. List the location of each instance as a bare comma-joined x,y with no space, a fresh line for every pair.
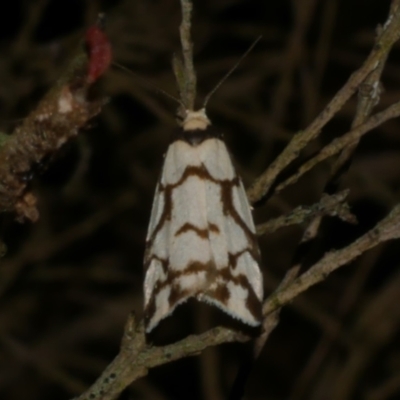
68,282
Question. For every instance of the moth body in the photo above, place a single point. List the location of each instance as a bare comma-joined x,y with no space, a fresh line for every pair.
201,239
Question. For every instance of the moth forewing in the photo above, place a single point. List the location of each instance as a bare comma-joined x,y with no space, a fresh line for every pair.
201,241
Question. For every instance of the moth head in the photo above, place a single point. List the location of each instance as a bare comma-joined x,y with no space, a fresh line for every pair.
195,120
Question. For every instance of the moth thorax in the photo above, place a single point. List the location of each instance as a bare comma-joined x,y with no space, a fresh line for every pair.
196,120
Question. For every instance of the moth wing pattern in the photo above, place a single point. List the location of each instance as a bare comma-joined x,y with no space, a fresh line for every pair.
178,248
236,287
201,240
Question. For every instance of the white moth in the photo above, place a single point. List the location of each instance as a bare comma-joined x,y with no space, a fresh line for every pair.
201,239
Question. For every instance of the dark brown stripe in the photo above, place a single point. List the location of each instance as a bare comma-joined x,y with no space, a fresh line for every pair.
229,209
202,233
164,262
177,293
165,215
198,136
253,304
220,292
202,173
213,228
253,251
195,266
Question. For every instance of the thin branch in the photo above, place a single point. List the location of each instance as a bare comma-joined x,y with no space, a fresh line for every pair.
387,229
136,357
184,71
368,98
390,34
329,205
36,250
343,142
59,116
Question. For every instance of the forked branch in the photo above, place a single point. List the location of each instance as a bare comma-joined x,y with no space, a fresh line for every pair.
136,357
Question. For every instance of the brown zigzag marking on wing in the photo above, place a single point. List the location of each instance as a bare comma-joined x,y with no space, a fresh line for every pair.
200,172
253,303
220,292
164,263
229,209
226,198
177,293
202,233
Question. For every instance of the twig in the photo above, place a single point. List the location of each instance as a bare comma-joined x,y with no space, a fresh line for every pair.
34,252
346,140
58,117
377,324
390,34
303,13
329,205
387,229
184,70
136,357
368,98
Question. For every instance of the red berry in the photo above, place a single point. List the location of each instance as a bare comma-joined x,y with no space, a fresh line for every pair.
99,51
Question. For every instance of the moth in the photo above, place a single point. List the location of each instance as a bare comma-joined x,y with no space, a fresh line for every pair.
201,239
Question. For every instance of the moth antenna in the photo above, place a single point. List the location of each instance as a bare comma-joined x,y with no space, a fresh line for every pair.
148,83
230,71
